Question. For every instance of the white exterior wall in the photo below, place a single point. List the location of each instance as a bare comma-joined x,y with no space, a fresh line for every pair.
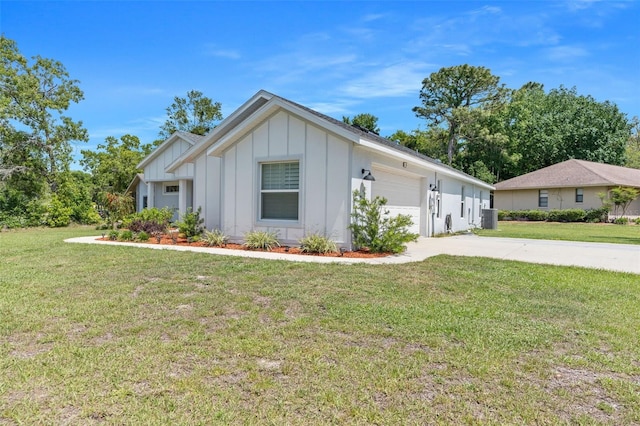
154,171
206,190
324,180
408,186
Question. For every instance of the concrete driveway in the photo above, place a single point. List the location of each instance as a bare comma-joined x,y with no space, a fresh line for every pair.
613,257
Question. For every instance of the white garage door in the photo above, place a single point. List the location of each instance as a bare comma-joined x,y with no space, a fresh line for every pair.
402,193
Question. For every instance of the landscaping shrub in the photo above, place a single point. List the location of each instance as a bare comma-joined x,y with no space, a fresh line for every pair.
113,235
126,235
190,223
261,240
316,243
148,226
596,215
373,228
567,215
537,215
215,238
621,221
637,220
142,236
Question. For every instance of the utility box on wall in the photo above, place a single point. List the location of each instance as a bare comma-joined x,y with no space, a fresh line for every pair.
489,218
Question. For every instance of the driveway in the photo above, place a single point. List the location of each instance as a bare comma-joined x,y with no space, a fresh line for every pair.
614,257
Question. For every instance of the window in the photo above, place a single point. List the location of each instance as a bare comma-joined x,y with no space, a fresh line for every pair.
145,201
579,195
279,190
543,198
171,189
462,201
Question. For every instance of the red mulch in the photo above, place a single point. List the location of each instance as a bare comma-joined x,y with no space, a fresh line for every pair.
284,249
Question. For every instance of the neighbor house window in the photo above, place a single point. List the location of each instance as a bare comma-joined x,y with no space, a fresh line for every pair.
462,201
279,190
171,189
579,195
543,198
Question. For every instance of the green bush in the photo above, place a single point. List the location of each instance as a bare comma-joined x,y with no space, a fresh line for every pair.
126,235
567,215
621,221
537,215
373,228
637,220
596,215
190,223
142,236
113,235
215,238
316,243
56,214
261,240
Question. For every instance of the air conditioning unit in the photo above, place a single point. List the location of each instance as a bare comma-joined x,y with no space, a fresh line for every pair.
489,218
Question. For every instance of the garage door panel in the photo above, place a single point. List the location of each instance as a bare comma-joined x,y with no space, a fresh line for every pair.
398,190
413,212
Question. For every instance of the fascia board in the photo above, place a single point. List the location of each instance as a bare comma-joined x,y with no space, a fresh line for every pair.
190,155
171,139
387,151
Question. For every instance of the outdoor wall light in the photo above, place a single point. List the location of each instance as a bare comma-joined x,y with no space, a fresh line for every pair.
433,187
368,176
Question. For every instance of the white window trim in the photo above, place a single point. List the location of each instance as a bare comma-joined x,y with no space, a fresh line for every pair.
540,198
166,185
279,222
581,195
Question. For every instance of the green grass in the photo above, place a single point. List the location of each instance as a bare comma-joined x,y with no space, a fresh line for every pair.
120,335
589,232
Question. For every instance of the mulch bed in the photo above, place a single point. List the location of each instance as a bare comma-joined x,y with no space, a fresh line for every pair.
166,240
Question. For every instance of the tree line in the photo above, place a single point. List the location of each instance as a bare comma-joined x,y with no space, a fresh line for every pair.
472,122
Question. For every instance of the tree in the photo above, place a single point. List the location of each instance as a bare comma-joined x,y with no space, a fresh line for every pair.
195,114
35,95
451,93
365,121
632,152
431,142
621,197
114,164
548,128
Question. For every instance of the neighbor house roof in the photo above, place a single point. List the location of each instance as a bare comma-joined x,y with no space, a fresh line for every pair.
574,173
139,177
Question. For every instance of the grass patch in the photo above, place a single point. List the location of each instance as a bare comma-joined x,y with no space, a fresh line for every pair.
107,334
587,232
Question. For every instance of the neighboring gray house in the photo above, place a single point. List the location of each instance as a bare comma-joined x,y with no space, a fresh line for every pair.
567,185
274,164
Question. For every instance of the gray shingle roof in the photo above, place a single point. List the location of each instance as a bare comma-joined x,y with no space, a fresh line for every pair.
373,137
574,173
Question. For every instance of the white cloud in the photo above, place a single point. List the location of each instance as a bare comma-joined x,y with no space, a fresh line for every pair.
214,50
396,80
566,53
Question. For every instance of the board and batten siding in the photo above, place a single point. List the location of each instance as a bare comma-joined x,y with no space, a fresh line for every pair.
154,171
324,176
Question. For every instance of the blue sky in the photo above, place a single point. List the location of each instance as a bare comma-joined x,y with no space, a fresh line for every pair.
338,57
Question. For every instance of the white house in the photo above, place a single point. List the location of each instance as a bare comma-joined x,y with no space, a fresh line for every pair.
277,165
157,188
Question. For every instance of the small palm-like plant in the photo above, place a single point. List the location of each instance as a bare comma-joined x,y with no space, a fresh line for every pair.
316,243
261,240
215,238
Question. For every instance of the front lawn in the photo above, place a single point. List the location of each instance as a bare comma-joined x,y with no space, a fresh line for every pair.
120,335
588,232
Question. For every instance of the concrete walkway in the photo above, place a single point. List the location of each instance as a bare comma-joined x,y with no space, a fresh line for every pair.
614,257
